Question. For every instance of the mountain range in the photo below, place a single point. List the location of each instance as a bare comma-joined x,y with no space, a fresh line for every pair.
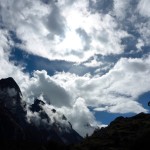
41,131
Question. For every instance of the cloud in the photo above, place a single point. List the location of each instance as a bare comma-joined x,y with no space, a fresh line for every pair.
120,8
140,44
85,38
53,93
133,17
93,63
55,21
118,89
69,30
144,31
61,98
47,29
85,122
101,6
143,8
8,67
45,86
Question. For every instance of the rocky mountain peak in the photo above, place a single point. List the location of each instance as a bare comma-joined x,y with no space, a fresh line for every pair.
43,127
9,83
10,96
36,106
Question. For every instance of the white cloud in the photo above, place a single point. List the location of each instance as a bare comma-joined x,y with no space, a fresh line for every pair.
93,63
143,8
118,89
62,99
52,92
121,7
8,68
67,30
81,118
52,30
144,31
134,16
41,84
140,44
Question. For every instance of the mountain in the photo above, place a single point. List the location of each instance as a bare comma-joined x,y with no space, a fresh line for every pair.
57,127
46,128
122,134
39,131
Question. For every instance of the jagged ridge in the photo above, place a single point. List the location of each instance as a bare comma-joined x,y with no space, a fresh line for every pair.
14,127
16,133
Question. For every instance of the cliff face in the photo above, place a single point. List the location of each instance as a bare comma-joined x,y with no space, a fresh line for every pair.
10,95
122,134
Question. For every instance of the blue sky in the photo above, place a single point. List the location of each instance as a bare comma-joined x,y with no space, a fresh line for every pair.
90,59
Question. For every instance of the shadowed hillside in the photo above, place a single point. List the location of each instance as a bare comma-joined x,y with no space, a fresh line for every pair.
122,134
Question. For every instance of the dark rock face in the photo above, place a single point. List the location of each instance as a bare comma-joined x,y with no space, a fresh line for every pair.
122,134
16,132
9,90
36,107
10,98
62,133
9,83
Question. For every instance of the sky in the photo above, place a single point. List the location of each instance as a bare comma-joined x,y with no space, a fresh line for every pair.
89,59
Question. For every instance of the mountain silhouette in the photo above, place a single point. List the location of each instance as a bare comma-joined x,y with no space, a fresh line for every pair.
131,133
45,132
16,132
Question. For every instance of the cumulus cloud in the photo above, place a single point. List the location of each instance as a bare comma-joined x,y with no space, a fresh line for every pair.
42,84
60,97
45,87
84,122
118,89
